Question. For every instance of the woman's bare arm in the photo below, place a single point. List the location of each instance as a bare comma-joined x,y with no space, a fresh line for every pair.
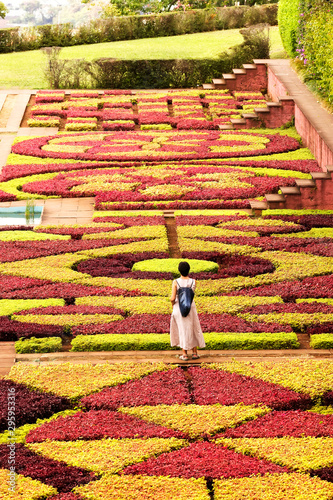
173,293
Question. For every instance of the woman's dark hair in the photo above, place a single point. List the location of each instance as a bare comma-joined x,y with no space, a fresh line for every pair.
184,268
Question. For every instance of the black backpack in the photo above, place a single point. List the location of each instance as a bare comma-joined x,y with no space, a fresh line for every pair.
185,299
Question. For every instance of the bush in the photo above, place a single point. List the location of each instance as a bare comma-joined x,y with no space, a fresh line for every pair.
32,345
155,342
255,46
322,341
288,17
134,27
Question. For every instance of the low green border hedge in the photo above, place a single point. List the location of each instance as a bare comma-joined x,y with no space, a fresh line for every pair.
155,342
33,345
322,341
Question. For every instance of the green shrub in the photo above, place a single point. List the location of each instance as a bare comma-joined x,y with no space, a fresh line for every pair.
317,49
155,342
255,46
134,27
321,341
288,17
46,344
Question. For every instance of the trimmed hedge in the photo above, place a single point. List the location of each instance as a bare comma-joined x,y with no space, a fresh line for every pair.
32,345
156,73
288,16
154,342
322,341
135,27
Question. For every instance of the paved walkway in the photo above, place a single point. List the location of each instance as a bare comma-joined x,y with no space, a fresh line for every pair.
7,357
80,211
320,119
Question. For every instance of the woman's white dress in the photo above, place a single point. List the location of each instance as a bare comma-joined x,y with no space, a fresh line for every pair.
185,332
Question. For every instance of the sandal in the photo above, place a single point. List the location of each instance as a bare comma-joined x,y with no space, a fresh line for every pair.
183,358
195,356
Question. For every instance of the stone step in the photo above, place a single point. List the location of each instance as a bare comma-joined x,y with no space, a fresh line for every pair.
273,104
249,66
229,76
320,175
275,198
239,71
237,121
208,86
219,83
305,183
290,190
329,168
226,126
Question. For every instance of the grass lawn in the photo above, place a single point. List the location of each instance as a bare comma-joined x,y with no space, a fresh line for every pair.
25,69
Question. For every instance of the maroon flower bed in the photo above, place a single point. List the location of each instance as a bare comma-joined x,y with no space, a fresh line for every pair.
284,423
326,474
120,266
71,309
29,405
13,330
158,388
328,398
304,307
204,459
133,221
11,251
7,196
67,291
308,221
320,328
66,496
138,323
57,474
33,147
160,323
316,287
231,265
205,220
215,386
229,323
98,425
9,283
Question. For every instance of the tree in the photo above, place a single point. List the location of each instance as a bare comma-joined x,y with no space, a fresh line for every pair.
36,12
3,10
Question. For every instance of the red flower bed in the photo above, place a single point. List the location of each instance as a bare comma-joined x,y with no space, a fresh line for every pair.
156,220
204,459
57,474
13,330
10,283
308,221
11,251
120,266
158,388
33,147
213,386
67,291
160,323
284,423
109,125
29,405
138,323
230,323
98,425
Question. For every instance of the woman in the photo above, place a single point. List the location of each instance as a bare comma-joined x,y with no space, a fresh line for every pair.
185,332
